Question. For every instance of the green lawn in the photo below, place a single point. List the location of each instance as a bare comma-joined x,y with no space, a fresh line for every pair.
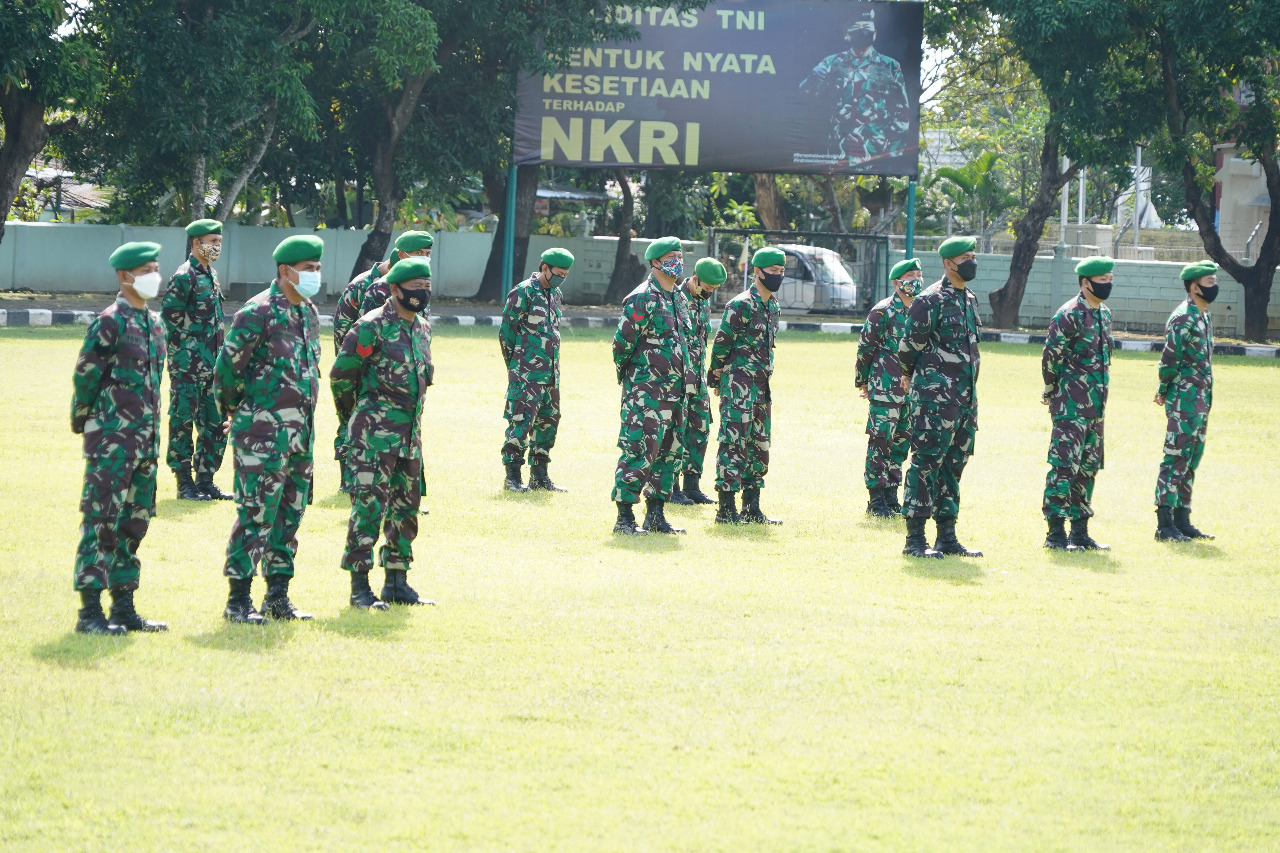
797,688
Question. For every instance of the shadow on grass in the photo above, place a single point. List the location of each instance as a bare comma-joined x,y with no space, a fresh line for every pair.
740,531
953,570
537,497
1197,549
375,625
254,639
651,543
337,500
1095,561
81,651
170,507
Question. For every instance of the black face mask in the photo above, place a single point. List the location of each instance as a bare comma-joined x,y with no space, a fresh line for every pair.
860,40
415,299
1101,289
704,295
967,270
555,280
772,281
1208,294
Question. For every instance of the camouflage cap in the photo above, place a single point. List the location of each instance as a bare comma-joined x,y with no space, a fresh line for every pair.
767,257
901,268
558,257
414,241
299,247
201,227
710,271
953,246
658,248
130,256
409,269
1199,269
1095,265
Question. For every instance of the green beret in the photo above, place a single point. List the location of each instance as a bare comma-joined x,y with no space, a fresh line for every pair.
658,248
408,269
953,246
901,268
201,227
561,258
1095,265
414,241
130,256
767,257
710,271
1199,269
300,247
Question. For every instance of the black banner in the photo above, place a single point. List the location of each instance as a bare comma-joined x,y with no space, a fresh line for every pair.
827,86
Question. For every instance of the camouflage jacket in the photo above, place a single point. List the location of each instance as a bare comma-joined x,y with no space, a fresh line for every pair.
530,333
380,380
939,349
1076,362
375,296
268,375
743,349
650,353
868,90
1186,365
348,308
877,364
116,399
697,316
192,312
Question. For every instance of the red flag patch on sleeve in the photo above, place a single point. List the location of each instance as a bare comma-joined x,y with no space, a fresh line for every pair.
637,316
364,351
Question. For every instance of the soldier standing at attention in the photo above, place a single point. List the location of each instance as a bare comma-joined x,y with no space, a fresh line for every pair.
530,341
379,383
741,365
1076,367
651,358
267,380
410,244
880,378
940,361
116,406
695,295
192,312
1186,392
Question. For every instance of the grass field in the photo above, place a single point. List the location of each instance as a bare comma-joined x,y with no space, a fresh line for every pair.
797,688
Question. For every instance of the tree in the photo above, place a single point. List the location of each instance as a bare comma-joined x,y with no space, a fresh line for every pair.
978,192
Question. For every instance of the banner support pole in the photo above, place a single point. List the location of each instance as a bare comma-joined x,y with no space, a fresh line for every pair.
911,218
509,228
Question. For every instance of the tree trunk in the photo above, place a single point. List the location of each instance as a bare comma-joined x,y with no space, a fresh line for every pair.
495,190
228,200
25,135
768,206
829,200
627,268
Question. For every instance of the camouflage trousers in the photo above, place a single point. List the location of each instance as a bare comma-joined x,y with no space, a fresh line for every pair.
340,453
271,495
650,445
386,493
697,429
1183,447
942,440
533,417
742,459
1075,458
118,501
888,442
194,409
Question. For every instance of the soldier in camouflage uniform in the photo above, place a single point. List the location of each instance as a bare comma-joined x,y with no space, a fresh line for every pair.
267,380
878,375
740,369
651,358
410,244
192,312
872,108
940,360
695,295
116,406
530,341
379,381
1186,392
1076,366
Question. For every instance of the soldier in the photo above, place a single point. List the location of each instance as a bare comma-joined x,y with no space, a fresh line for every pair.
869,94
1076,366
116,406
741,364
267,380
651,358
880,378
695,295
192,312
379,382
940,361
410,244
1186,392
530,343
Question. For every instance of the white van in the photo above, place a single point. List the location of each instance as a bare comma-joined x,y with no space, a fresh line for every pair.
816,279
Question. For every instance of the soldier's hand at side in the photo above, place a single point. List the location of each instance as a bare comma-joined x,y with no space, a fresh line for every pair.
1159,400
905,384
226,426
866,392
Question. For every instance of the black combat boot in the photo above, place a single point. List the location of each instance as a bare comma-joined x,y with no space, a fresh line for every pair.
92,620
891,500
727,512
206,487
240,603
1081,539
1182,521
1166,530
878,505
655,518
751,513
187,490
917,545
396,589
362,596
947,543
513,483
276,603
539,479
677,496
1056,539
124,616
626,522
693,491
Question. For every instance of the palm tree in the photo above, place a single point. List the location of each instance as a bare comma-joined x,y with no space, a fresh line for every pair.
979,194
